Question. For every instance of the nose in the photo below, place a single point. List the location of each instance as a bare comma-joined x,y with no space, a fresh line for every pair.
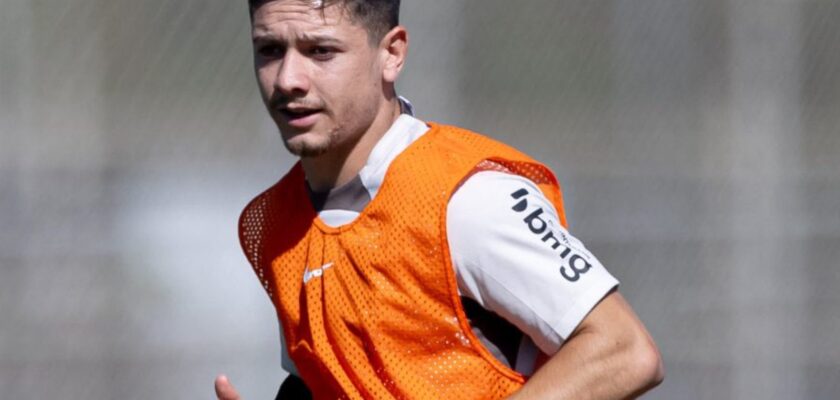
292,76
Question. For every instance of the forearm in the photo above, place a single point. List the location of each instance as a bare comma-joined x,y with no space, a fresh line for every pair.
599,362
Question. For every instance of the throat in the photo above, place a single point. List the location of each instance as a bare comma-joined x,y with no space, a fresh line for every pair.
342,164
333,169
352,196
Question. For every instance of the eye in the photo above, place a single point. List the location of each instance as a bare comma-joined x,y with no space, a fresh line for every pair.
270,51
322,52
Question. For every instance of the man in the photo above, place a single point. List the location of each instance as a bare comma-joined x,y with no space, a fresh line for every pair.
415,260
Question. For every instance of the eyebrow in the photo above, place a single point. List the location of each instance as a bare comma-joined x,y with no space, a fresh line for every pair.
304,37
307,37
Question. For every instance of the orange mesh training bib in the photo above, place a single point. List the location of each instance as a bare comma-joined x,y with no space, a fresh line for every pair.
371,310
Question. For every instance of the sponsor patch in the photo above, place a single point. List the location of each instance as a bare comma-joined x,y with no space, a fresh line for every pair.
575,263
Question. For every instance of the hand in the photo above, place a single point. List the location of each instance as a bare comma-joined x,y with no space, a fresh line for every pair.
224,389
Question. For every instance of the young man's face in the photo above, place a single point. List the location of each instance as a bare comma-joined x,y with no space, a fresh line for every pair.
319,75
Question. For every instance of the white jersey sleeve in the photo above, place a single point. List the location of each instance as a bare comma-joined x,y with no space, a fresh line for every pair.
513,257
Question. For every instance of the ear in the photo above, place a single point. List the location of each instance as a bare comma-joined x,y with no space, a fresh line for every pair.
394,50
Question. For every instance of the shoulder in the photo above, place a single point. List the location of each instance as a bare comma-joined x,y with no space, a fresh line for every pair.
512,254
488,197
455,138
263,213
283,189
487,221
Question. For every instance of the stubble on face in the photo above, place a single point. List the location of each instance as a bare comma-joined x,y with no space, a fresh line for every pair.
303,144
336,87
313,147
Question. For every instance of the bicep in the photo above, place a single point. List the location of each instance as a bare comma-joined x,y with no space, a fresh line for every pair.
614,320
518,261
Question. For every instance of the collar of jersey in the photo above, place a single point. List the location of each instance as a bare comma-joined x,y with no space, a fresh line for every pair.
402,133
388,159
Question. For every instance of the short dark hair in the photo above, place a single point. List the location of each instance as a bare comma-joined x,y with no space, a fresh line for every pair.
377,16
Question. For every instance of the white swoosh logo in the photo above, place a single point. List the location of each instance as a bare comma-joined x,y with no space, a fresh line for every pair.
315,273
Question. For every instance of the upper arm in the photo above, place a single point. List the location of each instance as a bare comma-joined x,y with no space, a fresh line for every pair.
613,316
513,257
613,326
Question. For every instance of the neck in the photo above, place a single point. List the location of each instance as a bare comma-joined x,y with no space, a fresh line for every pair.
341,164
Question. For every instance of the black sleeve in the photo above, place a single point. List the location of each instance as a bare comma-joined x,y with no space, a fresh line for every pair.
293,388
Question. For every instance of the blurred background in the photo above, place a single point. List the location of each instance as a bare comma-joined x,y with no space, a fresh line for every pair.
698,143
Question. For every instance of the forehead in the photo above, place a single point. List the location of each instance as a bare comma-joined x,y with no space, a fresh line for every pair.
295,17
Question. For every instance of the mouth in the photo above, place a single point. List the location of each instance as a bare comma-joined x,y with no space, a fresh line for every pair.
300,117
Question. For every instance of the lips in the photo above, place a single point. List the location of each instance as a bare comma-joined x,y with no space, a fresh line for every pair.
300,117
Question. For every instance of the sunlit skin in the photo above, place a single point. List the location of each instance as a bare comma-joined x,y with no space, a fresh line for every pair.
326,84
330,89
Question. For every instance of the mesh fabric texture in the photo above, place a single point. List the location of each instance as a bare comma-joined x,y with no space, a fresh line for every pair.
379,315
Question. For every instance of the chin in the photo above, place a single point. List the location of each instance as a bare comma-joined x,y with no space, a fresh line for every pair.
311,152
308,148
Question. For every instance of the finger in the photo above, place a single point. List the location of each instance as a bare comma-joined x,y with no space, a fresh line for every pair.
224,389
